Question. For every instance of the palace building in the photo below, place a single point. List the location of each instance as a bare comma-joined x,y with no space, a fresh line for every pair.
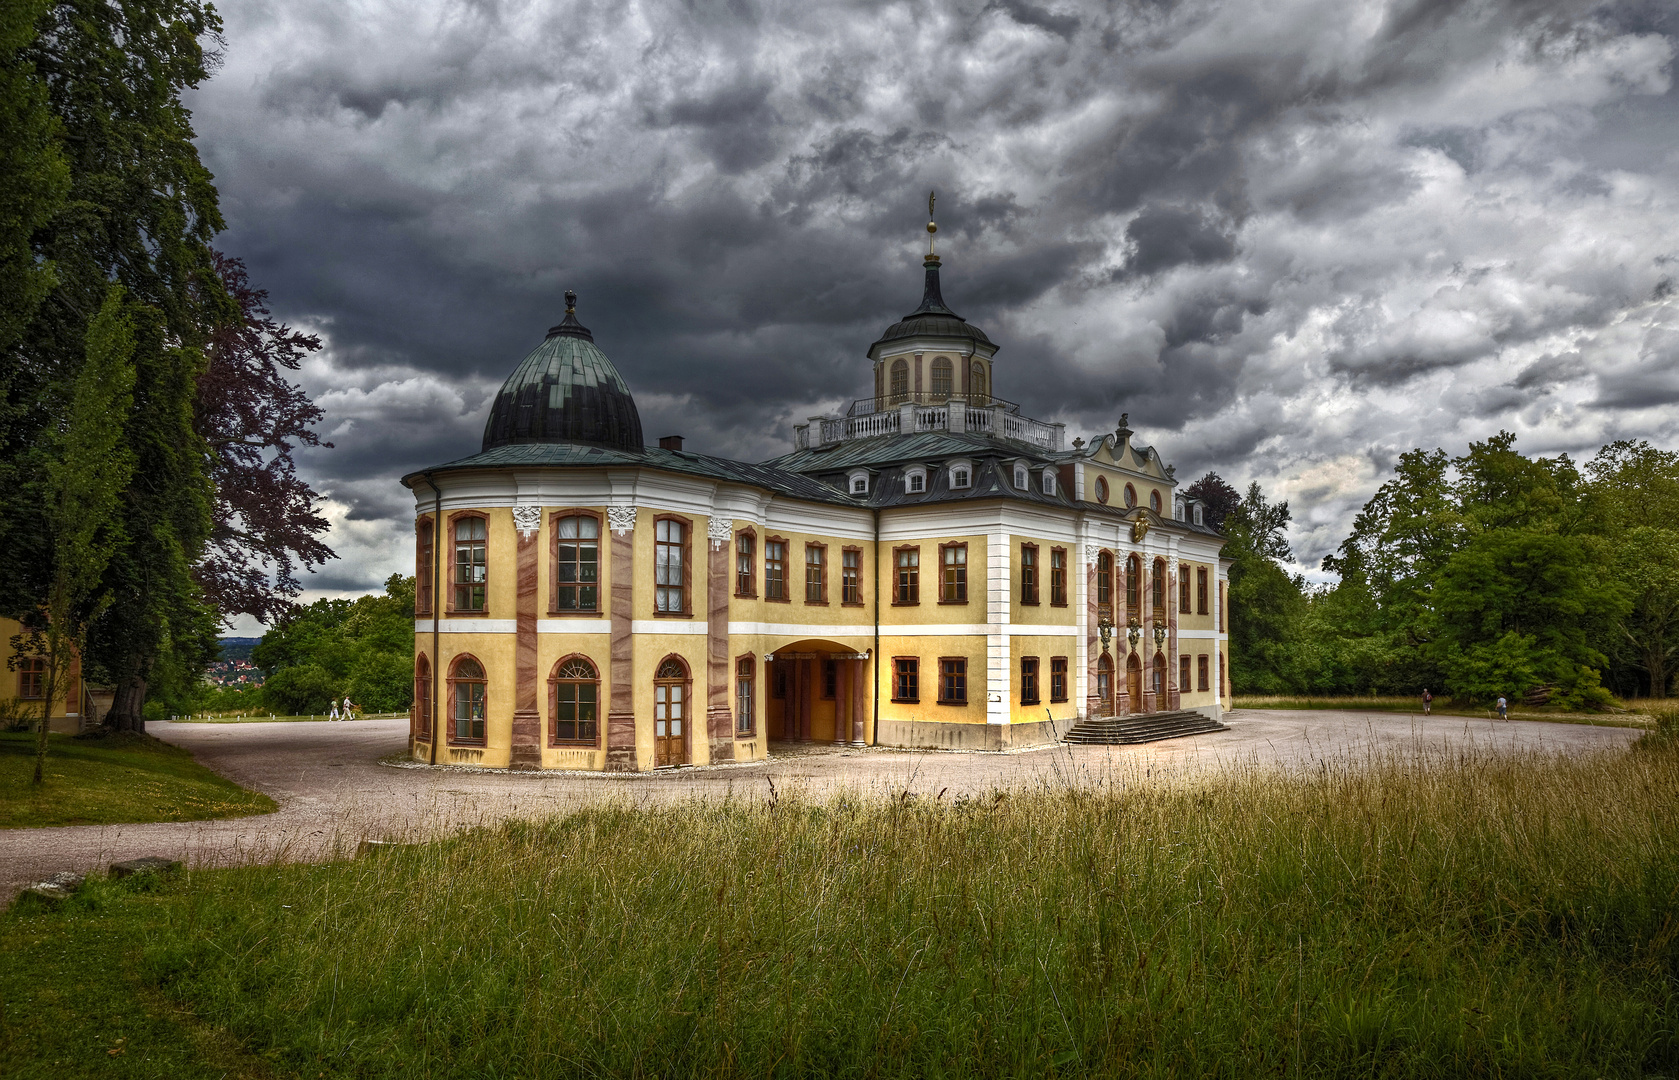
930,569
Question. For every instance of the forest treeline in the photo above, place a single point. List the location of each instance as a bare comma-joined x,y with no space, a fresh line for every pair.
1485,574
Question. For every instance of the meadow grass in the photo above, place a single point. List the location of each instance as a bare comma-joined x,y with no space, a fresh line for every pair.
1470,916
111,780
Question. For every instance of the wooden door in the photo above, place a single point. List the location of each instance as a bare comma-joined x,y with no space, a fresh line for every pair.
1134,683
670,713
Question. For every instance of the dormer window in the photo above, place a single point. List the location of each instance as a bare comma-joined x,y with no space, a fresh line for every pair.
961,475
1049,482
857,482
1198,520
1178,509
915,480
1020,478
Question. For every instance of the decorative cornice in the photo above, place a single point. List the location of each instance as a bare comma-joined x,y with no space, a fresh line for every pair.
620,519
720,530
527,519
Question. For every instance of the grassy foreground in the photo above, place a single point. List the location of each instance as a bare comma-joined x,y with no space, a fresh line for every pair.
115,779
1475,918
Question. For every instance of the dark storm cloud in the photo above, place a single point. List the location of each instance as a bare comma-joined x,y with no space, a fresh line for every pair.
1290,241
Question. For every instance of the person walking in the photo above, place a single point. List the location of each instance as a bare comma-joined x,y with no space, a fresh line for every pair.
1427,700
334,715
349,708
1502,705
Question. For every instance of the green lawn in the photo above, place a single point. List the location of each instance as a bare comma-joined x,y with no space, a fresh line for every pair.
1464,917
1441,707
118,778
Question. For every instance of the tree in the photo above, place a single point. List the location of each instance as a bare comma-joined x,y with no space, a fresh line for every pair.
34,178
1219,497
362,648
90,468
139,211
265,520
1267,605
1633,493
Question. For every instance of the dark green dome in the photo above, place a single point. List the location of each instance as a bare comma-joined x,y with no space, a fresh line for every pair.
932,318
565,391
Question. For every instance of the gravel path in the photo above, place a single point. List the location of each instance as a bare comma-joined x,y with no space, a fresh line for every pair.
333,791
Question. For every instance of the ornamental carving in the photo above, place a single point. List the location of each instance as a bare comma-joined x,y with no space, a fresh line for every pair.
527,519
720,530
1092,552
1139,529
620,519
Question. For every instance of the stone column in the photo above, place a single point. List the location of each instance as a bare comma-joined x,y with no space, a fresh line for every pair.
719,720
859,693
620,716
527,714
1174,692
1093,704
842,700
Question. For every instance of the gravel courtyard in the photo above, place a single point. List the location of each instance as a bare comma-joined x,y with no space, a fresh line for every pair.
333,790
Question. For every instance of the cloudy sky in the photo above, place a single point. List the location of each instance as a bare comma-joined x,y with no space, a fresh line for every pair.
1291,238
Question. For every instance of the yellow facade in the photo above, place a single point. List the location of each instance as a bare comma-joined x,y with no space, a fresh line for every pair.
74,704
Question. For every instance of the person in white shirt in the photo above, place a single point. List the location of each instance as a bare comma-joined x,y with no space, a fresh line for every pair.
1501,707
349,708
334,715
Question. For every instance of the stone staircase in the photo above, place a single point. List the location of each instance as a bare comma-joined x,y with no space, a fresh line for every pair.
1142,728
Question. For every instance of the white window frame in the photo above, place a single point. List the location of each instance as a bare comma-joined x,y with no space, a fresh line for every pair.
915,480
857,482
966,471
1048,485
1022,478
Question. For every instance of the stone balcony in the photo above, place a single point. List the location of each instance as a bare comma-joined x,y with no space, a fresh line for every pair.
907,414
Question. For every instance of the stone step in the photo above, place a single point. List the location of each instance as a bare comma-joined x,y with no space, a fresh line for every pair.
1142,728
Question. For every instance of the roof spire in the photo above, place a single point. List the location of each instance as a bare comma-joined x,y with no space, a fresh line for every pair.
932,227
932,300
569,325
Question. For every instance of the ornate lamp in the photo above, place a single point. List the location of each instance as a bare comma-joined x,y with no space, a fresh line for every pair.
1134,632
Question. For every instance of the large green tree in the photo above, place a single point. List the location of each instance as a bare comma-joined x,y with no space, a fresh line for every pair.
332,648
1633,505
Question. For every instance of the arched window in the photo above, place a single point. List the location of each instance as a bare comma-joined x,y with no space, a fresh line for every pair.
1159,679
1104,578
1130,496
976,387
32,677
1105,683
1158,591
670,709
670,575
1021,478
471,565
1133,571
941,377
1154,501
422,698
467,699
900,381
577,563
1102,490
574,701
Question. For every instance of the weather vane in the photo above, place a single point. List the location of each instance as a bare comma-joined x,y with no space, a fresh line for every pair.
931,227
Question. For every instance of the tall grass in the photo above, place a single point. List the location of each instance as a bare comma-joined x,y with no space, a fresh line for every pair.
1476,916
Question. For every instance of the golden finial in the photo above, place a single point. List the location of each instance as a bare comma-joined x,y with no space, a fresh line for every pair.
931,227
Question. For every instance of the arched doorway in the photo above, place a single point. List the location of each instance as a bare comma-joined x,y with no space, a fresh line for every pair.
1159,681
1105,685
1134,683
817,692
670,710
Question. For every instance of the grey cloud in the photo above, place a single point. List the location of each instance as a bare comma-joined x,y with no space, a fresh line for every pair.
1238,224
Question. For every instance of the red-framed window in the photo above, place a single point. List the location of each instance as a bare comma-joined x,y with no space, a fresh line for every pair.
906,679
953,680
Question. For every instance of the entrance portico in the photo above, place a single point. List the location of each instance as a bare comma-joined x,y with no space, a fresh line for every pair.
818,692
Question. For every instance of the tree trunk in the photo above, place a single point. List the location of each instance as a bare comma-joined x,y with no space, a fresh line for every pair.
1656,664
42,735
127,706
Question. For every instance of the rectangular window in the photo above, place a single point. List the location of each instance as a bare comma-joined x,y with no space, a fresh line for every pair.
577,563
830,680
1028,573
953,576
1104,578
1157,591
1201,590
1183,673
953,680
1221,610
471,571
851,576
744,565
1028,680
775,569
1183,589
816,574
1058,678
670,593
1201,673
906,679
32,678
745,679
908,587
423,570
1058,577
1132,569
575,711
1224,687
